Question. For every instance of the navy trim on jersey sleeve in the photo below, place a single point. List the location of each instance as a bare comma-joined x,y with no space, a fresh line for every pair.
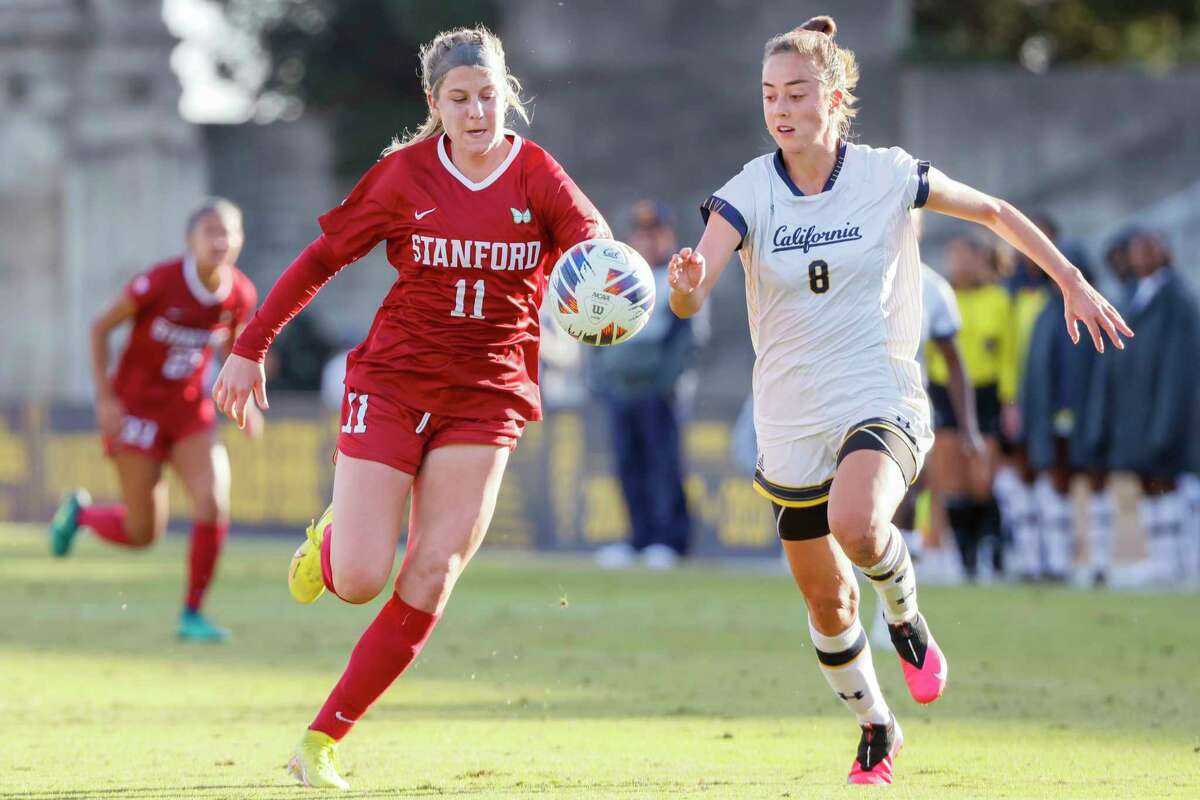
922,184
728,213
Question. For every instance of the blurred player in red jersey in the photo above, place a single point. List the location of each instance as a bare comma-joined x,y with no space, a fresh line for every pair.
439,392
154,410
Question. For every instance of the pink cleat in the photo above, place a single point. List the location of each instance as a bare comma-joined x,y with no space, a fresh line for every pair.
925,666
877,749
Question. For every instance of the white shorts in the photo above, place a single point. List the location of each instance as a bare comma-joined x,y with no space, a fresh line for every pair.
798,473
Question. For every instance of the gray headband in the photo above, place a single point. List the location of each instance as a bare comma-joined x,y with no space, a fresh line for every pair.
465,54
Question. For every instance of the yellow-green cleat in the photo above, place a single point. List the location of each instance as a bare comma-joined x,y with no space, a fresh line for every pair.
304,573
315,762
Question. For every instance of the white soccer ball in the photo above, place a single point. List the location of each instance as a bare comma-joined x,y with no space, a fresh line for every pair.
601,292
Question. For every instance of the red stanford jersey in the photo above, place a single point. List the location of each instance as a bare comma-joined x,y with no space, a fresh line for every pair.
458,332
177,324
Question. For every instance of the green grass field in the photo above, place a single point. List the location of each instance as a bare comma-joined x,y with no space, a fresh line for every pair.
549,679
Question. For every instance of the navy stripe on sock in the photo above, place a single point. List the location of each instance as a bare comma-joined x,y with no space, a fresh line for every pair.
845,656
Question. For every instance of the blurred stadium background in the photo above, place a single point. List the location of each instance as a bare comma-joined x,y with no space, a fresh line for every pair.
117,116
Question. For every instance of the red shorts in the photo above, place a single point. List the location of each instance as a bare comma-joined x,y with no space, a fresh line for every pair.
378,428
155,429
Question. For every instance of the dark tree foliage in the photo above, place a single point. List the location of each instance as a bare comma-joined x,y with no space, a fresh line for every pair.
1157,34
355,60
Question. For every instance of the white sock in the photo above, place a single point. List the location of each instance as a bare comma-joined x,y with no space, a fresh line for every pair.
1100,520
1189,549
895,580
1006,487
880,635
1058,532
1171,512
1158,548
1026,560
1190,490
912,540
845,661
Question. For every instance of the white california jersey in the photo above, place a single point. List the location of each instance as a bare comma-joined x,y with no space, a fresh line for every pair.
833,291
941,317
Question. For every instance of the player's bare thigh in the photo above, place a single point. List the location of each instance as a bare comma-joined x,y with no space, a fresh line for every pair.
202,464
368,515
454,498
867,488
145,494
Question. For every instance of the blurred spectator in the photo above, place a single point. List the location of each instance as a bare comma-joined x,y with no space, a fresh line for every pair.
1026,515
941,322
637,381
1055,393
987,342
303,349
1116,256
1143,412
560,371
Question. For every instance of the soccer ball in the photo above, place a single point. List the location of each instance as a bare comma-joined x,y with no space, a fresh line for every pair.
601,292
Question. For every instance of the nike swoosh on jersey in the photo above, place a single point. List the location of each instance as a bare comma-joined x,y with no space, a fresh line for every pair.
421,214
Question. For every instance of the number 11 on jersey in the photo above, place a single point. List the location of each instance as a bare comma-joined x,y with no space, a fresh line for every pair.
460,297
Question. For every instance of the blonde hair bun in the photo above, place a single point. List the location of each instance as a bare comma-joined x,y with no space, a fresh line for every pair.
822,24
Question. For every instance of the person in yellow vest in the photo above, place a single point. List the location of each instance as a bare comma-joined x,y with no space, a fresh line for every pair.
988,343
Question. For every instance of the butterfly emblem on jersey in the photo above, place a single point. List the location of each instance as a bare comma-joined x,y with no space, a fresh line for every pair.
521,216
226,317
173,313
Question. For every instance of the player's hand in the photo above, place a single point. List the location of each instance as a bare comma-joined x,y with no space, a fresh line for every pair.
240,379
685,271
1082,303
108,414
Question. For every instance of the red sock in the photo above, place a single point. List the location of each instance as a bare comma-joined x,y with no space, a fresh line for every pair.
326,564
207,539
388,646
108,522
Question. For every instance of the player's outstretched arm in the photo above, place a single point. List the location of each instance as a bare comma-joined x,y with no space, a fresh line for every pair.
242,374
1081,300
691,278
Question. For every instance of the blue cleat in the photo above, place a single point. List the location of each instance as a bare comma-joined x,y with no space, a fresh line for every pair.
193,627
65,523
